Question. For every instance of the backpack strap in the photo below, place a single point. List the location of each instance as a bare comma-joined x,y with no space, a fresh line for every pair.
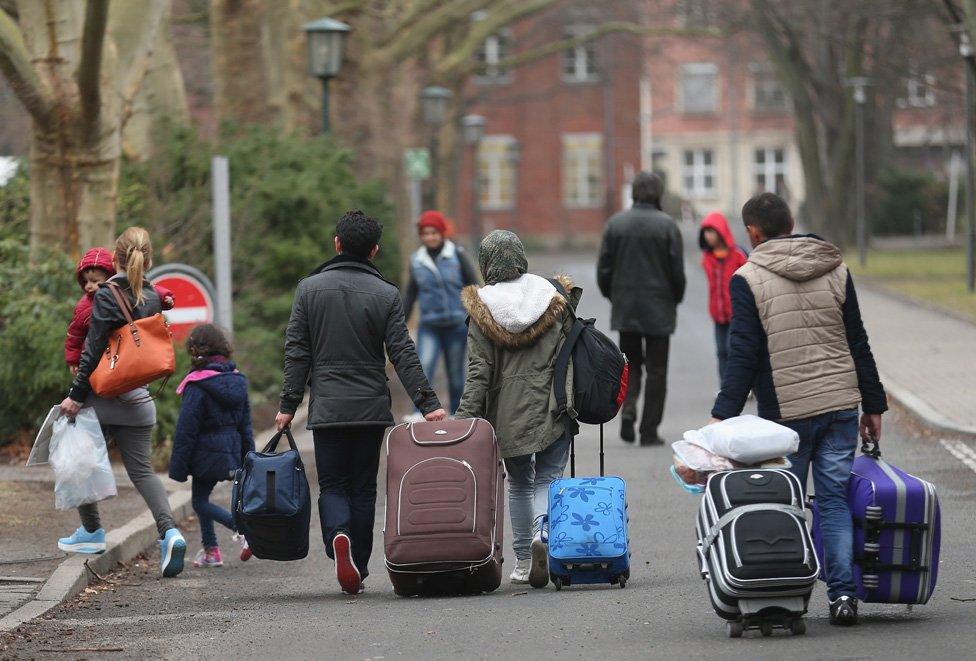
561,368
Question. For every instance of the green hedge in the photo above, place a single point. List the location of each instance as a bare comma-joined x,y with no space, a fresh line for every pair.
910,203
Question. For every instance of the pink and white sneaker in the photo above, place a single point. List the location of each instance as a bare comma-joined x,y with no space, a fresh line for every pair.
208,558
245,549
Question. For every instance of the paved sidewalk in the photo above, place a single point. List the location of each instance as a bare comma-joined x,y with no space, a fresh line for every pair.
927,359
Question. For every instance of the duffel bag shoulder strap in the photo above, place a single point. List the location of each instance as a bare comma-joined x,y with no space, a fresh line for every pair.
735,512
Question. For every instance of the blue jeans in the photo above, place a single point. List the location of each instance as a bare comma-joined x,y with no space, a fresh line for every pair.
347,459
721,348
828,442
452,341
207,512
529,477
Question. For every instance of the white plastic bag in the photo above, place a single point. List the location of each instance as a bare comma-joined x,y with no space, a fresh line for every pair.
747,439
82,472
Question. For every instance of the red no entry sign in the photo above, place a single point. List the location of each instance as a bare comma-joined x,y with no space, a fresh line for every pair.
193,292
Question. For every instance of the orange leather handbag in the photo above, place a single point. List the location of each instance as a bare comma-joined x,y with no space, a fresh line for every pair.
138,353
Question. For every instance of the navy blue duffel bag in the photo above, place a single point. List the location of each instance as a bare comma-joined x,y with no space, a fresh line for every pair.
271,501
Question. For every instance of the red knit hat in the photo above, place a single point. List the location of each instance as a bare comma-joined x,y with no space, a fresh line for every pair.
433,219
96,258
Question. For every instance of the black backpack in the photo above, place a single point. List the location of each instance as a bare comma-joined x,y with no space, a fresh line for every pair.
600,371
271,501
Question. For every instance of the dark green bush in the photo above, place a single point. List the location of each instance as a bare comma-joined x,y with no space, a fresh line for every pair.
909,203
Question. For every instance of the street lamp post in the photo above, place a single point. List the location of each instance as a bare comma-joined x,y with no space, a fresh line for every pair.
514,158
858,85
325,39
473,129
434,102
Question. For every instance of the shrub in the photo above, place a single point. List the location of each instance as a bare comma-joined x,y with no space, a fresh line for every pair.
908,203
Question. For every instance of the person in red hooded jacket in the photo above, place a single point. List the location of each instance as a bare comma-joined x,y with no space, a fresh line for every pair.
721,258
94,268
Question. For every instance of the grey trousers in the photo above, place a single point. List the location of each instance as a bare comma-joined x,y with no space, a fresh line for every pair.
135,444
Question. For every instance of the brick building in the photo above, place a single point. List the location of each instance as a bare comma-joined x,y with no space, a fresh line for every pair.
563,135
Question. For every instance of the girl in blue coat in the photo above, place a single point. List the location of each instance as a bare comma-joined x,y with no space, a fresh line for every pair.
212,434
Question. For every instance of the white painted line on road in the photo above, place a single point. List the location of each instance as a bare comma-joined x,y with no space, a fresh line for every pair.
962,452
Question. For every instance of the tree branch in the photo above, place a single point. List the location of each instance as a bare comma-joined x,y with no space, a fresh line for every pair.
90,65
503,15
9,6
406,43
134,26
15,62
467,65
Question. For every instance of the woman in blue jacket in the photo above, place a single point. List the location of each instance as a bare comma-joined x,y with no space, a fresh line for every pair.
212,434
439,270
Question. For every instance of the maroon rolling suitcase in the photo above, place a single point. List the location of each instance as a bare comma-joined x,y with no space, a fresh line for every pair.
445,508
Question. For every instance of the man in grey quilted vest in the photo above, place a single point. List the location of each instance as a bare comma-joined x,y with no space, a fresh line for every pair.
797,341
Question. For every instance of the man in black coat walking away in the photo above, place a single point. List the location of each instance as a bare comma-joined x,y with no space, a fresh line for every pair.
641,270
344,321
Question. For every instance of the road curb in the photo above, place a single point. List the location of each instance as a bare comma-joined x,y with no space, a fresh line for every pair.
923,411
122,544
73,575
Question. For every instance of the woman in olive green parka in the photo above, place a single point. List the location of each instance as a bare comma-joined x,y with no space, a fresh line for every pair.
518,321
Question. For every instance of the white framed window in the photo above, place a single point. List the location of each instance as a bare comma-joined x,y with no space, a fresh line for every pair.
696,14
768,94
769,167
493,51
699,87
582,170
698,173
579,62
919,92
496,170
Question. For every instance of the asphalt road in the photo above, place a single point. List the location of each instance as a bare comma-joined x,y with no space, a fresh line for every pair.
293,610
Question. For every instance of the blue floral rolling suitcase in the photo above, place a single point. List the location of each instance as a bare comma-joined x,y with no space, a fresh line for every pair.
588,540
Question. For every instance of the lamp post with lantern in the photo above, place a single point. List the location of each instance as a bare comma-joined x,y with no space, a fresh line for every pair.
326,40
472,130
434,101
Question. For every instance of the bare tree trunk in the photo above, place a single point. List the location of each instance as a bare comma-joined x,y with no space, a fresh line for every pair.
241,91
161,99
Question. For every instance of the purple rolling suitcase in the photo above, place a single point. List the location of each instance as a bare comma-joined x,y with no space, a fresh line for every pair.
897,532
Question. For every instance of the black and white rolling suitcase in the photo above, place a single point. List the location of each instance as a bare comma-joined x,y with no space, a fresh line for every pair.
754,550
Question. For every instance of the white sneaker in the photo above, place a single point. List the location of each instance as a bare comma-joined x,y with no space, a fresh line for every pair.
245,549
520,575
413,417
539,569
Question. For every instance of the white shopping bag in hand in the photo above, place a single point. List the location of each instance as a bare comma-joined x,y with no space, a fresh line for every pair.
82,472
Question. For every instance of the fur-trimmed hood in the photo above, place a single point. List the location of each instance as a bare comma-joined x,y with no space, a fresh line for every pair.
515,314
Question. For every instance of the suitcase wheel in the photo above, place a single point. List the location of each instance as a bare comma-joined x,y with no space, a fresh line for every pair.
734,629
766,629
557,583
622,581
798,627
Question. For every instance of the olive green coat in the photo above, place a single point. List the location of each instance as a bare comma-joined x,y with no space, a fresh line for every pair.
510,375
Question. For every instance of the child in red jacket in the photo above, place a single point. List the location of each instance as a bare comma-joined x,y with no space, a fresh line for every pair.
721,258
94,268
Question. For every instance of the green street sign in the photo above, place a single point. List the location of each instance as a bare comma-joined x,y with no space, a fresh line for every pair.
417,163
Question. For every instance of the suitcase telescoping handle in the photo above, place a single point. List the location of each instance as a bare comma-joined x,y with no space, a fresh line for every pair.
572,453
273,443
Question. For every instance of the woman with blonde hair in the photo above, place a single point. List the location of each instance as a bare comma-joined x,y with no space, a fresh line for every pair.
130,417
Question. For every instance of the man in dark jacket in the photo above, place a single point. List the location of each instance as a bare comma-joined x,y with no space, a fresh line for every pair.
641,270
345,319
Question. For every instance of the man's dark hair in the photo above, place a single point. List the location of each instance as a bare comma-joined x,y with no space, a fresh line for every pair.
770,213
358,233
647,189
